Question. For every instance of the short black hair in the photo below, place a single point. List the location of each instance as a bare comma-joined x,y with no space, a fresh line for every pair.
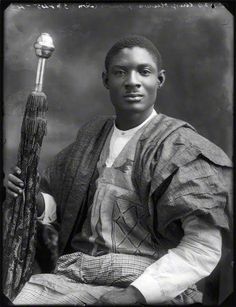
130,42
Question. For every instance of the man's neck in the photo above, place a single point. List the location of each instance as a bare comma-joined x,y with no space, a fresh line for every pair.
126,121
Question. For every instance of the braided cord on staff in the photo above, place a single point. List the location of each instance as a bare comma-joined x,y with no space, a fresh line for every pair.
20,214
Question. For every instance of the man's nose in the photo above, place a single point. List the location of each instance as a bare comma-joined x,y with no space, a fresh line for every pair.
132,80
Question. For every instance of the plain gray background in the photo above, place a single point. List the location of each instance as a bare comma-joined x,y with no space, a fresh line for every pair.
195,40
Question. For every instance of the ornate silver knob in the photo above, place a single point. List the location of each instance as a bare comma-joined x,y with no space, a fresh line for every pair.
44,48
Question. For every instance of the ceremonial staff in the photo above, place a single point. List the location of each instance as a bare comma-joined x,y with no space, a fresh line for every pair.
20,214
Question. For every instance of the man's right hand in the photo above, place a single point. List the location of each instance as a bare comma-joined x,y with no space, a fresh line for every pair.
15,186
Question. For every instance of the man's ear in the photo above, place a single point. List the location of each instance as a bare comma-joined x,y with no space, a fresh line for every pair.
161,78
105,79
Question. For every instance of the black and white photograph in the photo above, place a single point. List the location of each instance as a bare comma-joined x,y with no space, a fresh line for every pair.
118,153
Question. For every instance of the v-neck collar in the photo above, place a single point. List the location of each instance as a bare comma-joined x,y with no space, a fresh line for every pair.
131,131
106,150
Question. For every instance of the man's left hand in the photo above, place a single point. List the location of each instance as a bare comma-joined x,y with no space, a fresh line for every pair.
127,296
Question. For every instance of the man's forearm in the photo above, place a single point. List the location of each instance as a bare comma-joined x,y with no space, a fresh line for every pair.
193,259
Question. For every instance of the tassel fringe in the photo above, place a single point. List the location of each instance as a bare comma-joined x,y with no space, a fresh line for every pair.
19,231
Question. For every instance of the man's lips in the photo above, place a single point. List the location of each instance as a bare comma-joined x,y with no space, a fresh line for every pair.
133,97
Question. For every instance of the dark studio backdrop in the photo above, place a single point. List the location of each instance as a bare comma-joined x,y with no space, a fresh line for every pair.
195,40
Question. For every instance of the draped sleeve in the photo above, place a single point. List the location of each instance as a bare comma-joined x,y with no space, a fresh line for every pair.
200,188
180,173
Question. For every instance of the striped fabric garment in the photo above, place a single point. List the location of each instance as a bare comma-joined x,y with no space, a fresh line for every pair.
81,279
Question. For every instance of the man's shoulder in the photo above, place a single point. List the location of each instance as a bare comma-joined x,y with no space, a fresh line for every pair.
204,147
180,136
162,126
86,132
94,126
96,122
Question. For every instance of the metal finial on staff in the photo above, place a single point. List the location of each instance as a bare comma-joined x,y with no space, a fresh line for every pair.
43,49
20,214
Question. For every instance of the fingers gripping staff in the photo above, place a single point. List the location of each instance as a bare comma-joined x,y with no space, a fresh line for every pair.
19,222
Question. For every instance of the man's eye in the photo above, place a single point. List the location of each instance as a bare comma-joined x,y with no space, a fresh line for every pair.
145,72
119,72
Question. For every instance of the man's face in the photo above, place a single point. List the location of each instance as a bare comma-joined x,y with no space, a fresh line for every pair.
133,80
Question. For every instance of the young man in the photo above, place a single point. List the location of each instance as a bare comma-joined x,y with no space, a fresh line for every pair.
139,200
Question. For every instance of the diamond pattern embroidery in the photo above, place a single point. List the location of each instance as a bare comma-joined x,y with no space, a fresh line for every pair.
130,232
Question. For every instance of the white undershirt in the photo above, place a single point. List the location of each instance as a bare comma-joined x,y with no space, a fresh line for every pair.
193,259
120,138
